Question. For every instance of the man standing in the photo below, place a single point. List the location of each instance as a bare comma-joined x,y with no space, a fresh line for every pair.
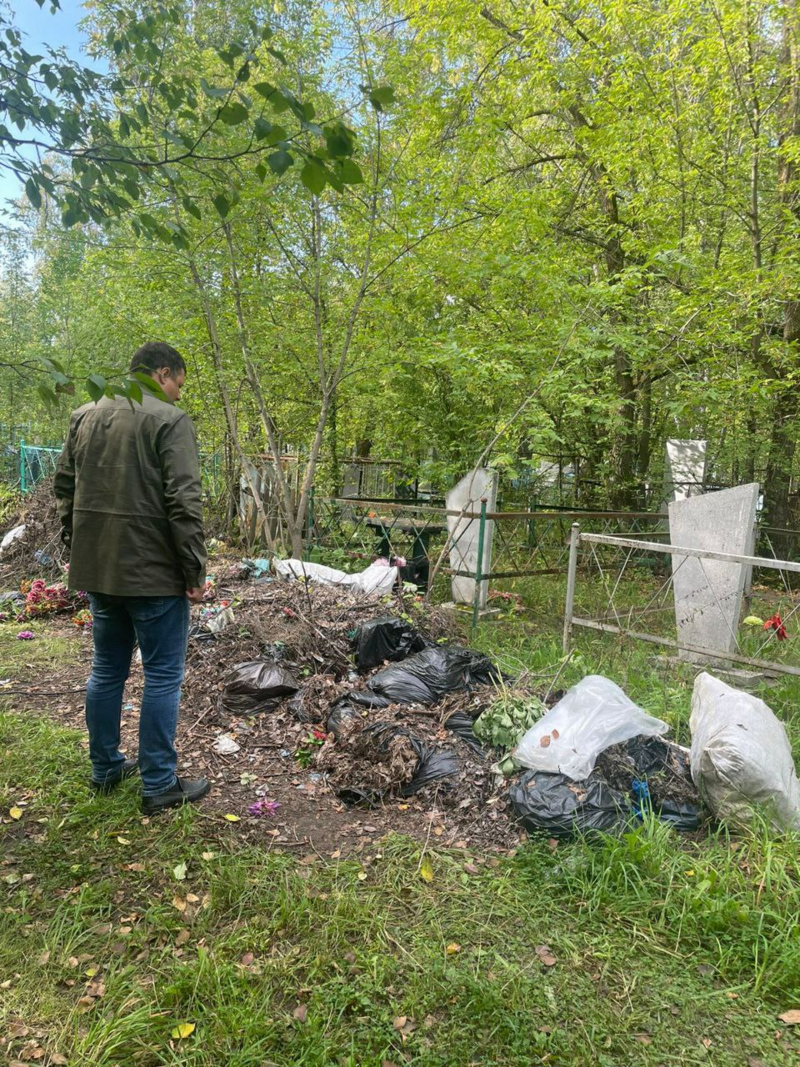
129,499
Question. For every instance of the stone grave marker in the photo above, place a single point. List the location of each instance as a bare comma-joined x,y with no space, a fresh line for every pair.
684,470
708,592
467,495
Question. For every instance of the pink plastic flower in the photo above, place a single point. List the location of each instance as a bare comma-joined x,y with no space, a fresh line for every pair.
265,807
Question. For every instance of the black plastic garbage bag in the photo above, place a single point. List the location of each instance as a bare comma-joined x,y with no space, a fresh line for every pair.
386,638
555,805
653,754
342,718
657,774
256,686
460,723
425,677
432,764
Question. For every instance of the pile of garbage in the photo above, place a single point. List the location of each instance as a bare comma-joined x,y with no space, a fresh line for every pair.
596,761
406,723
31,544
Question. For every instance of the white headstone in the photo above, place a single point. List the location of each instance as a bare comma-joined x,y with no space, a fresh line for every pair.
466,496
684,470
708,592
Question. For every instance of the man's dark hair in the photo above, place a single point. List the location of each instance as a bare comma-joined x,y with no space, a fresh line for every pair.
154,355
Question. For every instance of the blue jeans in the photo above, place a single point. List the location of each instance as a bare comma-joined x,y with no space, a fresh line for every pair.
161,626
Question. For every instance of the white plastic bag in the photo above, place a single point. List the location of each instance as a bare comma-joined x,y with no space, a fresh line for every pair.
11,537
741,757
594,714
377,579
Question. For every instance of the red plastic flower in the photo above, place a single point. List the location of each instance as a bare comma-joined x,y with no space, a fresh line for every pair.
776,624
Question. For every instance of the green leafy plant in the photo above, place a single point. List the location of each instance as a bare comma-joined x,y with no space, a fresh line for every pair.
506,720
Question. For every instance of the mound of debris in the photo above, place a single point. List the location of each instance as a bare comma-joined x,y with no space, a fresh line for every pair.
311,630
36,551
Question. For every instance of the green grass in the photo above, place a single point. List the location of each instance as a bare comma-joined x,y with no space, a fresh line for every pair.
668,951
39,658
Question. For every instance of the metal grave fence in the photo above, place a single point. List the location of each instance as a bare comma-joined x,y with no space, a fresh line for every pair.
610,598
525,544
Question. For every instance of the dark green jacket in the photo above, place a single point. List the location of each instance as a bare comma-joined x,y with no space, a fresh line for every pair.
128,492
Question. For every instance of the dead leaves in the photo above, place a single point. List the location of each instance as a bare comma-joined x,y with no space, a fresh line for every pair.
404,1026
300,1013
791,1018
426,870
15,813
183,1030
545,954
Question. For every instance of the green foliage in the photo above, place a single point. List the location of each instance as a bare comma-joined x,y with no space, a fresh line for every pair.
507,719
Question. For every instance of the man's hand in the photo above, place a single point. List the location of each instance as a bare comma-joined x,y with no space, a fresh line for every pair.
196,594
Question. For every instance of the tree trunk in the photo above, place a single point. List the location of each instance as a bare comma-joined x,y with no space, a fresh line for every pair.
777,485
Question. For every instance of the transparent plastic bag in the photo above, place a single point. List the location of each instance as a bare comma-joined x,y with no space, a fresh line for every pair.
593,715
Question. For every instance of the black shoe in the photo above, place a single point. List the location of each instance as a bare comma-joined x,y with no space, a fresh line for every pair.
129,768
184,791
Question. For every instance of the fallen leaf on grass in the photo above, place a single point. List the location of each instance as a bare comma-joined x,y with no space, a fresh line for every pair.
300,1013
58,1060
232,818
179,903
15,813
183,1030
426,870
208,855
86,1004
453,948
123,840
545,954
791,1018
707,1042
90,972
179,872
182,937
44,959
247,959
404,1026
362,876
644,1039
470,868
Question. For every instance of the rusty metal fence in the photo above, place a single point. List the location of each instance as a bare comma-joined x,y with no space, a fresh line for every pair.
525,544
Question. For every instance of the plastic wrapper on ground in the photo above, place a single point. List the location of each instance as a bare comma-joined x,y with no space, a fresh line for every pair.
377,580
